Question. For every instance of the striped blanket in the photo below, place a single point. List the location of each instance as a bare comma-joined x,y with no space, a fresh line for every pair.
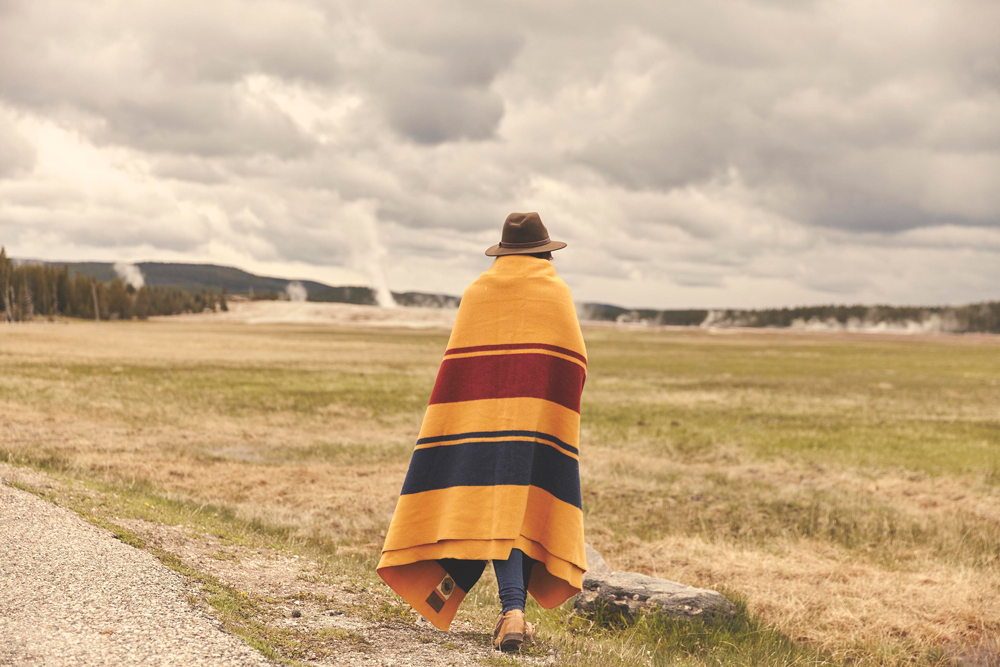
496,464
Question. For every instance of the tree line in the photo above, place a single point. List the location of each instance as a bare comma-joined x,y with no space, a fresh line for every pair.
32,291
974,318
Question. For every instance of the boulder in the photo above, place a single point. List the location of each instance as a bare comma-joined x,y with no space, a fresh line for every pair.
595,562
630,593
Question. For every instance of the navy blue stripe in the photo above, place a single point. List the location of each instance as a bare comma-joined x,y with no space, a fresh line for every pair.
504,463
500,434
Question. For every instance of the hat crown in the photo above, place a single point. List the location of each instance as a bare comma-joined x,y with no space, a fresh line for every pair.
524,234
521,229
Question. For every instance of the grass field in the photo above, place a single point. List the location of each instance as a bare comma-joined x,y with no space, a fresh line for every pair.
846,489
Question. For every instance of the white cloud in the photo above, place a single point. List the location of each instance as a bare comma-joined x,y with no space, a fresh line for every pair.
17,154
707,154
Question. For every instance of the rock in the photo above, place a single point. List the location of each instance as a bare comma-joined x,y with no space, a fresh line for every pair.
629,593
595,562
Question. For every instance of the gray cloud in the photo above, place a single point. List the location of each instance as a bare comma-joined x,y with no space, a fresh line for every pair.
17,154
708,154
431,115
188,168
434,79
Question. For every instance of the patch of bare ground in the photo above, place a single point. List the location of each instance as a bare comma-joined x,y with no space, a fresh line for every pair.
313,312
259,571
297,610
346,624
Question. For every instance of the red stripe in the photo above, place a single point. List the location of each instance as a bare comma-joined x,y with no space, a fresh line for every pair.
510,376
518,346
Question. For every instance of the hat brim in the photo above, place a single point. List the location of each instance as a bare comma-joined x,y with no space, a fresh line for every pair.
500,251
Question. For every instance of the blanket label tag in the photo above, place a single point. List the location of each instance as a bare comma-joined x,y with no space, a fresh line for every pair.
446,587
435,602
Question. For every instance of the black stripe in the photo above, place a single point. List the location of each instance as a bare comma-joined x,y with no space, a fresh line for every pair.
465,572
500,434
518,346
508,462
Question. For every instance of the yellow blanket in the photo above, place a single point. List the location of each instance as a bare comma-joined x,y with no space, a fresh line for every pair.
496,465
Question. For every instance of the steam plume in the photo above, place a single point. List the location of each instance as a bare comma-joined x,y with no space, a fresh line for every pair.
374,264
296,291
130,273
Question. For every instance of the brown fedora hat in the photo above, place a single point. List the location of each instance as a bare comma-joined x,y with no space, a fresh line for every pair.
524,234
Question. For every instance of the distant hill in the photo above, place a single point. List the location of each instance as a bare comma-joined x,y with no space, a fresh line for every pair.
237,281
981,317
103,271
197,277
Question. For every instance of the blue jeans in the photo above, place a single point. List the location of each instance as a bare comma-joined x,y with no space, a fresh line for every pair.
512,579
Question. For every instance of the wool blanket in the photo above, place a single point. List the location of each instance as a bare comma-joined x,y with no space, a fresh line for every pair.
496,464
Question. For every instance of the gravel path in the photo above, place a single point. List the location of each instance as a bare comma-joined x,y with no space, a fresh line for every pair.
72,594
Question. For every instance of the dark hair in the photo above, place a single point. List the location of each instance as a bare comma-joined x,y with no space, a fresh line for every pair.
542,255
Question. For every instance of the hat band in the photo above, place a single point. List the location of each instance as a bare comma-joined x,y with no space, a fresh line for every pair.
529,244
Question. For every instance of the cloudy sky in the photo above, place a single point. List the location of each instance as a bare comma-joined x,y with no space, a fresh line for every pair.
718,153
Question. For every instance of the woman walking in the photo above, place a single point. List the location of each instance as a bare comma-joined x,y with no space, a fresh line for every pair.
495,472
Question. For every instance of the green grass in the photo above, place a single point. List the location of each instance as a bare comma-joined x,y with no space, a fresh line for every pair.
132,393
801,399
739,511
740,639
674,425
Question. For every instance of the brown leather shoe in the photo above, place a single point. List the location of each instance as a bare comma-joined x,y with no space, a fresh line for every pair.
510,631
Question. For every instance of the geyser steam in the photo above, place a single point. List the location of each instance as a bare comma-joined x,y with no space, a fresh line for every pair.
374,265
296,291
130,273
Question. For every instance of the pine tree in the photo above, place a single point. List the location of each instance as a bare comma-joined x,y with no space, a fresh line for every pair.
119,301
25,307
5,273
97,305
143,304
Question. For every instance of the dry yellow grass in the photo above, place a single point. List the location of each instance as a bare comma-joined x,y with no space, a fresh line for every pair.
927,592
827,596
845,487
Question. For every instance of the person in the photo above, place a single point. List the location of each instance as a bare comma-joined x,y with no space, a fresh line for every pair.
494,475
